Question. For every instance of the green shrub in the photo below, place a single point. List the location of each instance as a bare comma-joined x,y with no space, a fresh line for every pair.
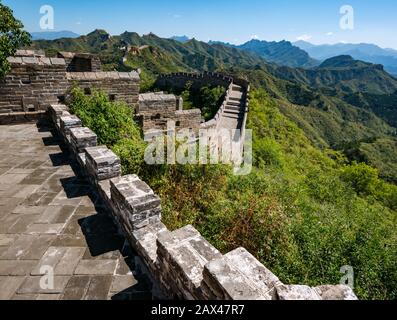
363,178
111,121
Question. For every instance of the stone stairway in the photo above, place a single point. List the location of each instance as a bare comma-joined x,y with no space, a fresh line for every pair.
233,114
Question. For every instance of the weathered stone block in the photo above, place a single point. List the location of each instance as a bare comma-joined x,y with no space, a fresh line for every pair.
296,292
144,242
239,276
102,163
67,122
182,255
56,111
338,292
137,203
82,138
81,161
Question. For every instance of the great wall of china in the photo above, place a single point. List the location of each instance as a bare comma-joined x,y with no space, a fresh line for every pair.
182,264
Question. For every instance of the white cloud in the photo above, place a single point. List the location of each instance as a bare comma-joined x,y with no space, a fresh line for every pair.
304,37
330,34
254,37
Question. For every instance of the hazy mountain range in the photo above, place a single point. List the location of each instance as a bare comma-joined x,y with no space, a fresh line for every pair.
53,35
307,55
363,51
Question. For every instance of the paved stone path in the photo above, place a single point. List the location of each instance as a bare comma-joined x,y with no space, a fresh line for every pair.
49,217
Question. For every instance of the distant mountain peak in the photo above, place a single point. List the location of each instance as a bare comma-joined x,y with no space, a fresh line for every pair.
181,39
282,53
343,61
362,51
98,32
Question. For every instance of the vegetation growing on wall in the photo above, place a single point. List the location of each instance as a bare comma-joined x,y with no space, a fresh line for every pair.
303,212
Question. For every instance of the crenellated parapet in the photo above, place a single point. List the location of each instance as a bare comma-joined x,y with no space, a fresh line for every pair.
182,263
36,81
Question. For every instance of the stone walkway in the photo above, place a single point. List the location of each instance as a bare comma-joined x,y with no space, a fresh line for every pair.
51,220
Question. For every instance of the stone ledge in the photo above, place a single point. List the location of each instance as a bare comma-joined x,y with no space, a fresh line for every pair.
82,138
21,117
338,292
36,60
156,96
101,75
296,292
239,276
67,122
138,205
102,163
182,255
57,111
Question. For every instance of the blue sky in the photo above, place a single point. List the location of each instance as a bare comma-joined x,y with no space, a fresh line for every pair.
234,21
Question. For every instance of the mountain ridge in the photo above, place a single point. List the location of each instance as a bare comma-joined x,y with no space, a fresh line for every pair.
53,35
362,51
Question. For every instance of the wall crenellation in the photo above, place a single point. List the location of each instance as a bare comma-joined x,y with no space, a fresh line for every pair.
36,81
156,108
181,263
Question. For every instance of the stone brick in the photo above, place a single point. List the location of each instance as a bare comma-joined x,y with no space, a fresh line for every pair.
239,276
296,292
82,138
337,292
68,122
137,204
58,61
182,255
57,111
144,242
102,163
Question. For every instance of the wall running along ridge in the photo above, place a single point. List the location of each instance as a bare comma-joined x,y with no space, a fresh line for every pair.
182,263
181,80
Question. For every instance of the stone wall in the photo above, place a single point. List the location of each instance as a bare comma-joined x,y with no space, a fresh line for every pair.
36,81
120,86
182,263
197,80
81,62
32,84
156,109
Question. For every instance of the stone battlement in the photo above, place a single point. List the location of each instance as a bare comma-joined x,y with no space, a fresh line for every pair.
35,82
182,263
156,108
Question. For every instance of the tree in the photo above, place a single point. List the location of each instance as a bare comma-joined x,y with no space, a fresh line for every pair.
12,36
